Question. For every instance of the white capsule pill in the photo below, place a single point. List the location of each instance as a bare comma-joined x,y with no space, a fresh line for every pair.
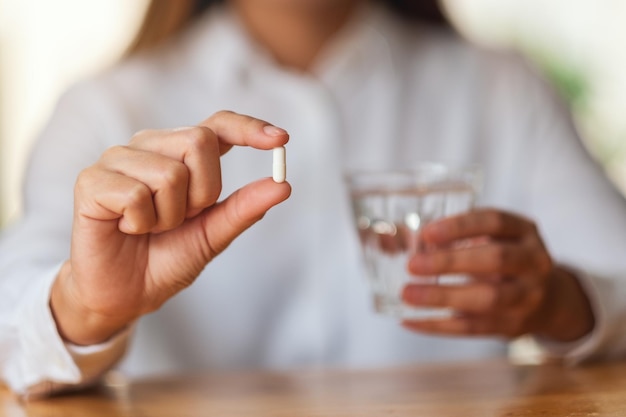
279,165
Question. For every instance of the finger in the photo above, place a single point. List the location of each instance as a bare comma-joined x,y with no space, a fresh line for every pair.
106,196
466,326
228,219
475,298
166,178
455,326
482,222
495,258
198,149
493,278
237,129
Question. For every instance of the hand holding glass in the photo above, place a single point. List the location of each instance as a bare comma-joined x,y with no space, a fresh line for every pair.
390,208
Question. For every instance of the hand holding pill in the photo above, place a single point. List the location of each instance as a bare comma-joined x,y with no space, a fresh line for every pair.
147,221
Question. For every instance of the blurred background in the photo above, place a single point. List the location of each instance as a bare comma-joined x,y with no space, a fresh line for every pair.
47,45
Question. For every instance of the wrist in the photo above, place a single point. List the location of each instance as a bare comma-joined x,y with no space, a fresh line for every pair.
76,322
567,315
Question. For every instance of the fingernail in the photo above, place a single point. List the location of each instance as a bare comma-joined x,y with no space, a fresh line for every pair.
273,130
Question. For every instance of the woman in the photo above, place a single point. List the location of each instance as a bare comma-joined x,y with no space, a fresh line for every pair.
354,84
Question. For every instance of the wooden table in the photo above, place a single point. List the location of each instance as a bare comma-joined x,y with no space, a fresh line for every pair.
465,390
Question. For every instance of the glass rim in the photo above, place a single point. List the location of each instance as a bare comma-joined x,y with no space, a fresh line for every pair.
440,170
419,165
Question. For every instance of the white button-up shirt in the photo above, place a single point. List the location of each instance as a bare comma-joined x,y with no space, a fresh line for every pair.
290,292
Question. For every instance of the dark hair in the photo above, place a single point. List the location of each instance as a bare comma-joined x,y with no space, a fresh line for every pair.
427,11
165,18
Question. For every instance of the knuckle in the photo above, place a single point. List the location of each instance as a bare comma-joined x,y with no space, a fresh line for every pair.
86,174
175,175
222,114
138,196
202,141
141,134
138,134
113,152
198,138
85,180
225,113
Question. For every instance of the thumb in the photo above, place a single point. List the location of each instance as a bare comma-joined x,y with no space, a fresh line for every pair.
231,217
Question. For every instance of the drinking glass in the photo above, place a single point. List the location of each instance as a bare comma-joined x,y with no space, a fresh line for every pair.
390,208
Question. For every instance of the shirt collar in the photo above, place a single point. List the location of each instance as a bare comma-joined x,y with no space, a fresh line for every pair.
222,49
360,47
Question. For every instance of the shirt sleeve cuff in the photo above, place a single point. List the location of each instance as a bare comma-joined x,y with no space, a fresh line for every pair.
94,360
44,363
587,347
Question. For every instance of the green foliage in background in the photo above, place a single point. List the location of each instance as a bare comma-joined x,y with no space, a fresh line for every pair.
571,83
576,88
